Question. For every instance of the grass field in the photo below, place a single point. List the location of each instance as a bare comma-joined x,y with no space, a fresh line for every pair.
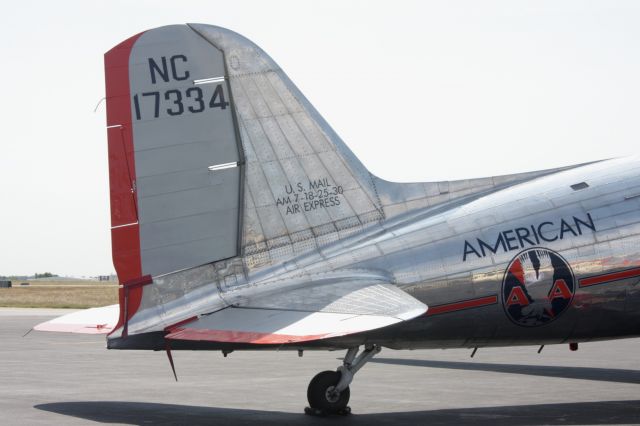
59,294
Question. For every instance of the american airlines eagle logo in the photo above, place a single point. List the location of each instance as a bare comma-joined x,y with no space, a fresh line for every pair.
538,286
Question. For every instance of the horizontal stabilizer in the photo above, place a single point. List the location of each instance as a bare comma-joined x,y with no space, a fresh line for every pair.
340,295
312,313
88,321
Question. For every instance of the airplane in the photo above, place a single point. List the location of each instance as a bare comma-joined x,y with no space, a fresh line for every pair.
241,221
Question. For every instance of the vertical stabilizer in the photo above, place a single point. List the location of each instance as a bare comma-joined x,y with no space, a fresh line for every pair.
223,174
217,161
303,186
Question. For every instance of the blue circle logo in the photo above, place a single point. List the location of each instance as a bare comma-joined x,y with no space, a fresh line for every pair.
538,286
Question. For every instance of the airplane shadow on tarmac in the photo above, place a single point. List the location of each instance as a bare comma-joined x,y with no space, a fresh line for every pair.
581,373
136,413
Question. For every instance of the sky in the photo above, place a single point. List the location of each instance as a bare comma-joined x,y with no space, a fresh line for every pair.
419,90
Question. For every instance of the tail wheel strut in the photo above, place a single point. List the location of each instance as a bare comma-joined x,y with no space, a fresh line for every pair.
328,391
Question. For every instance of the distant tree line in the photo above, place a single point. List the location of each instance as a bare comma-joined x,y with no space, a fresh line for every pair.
25,277
45,275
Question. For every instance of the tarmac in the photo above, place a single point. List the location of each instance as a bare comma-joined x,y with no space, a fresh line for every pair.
66,379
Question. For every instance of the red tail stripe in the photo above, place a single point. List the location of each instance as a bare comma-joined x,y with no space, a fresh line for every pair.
125,240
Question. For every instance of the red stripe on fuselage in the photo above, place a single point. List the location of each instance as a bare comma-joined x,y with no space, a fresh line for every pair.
606,278
459,306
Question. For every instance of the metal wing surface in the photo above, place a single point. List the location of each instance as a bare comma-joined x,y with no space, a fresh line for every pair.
304,314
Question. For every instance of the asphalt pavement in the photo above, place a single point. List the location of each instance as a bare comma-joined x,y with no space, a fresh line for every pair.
65,379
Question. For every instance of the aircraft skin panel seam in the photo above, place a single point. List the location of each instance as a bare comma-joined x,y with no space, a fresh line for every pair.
241,162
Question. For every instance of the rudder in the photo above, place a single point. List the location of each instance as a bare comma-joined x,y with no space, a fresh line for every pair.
215,154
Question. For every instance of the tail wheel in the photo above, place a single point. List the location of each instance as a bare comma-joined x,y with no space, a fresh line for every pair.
322,396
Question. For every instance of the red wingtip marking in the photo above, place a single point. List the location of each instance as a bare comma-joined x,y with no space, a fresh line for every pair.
74,328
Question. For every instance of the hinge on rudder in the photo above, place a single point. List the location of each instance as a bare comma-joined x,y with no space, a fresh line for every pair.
127,286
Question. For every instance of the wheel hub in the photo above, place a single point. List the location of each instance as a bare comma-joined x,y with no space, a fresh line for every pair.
331,394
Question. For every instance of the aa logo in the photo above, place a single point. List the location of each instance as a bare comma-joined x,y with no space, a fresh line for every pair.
538,286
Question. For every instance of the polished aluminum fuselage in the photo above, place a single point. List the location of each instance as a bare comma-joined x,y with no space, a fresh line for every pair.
258,204
454,258
424,253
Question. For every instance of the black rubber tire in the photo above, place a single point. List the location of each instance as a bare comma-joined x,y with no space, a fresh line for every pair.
317,393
